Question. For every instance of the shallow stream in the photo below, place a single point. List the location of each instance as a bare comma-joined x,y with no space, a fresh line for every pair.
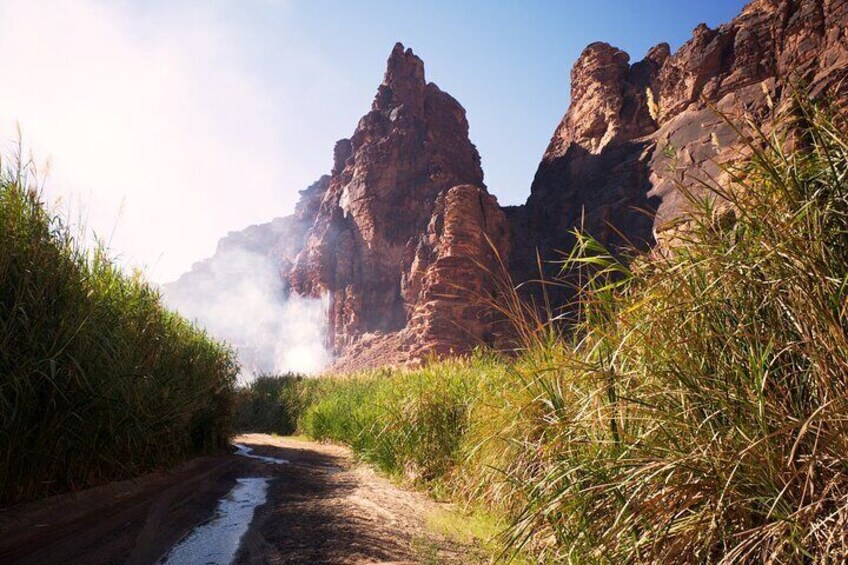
218,540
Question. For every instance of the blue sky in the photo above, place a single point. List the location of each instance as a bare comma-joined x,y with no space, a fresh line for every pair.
169,123
507,62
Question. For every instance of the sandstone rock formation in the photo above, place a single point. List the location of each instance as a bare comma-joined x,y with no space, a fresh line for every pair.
635,133
404,217
403,235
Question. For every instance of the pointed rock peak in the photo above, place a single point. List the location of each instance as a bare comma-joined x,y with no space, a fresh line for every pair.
598,64
644,73
403,82
600,52
403,65
703,33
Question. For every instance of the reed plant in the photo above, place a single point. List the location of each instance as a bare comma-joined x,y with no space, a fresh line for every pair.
698,412
98,381
408,422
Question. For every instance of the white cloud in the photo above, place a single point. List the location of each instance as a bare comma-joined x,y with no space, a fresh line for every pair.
150,114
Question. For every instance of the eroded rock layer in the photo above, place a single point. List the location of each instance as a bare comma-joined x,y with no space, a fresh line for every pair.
635,133
404,237
404,218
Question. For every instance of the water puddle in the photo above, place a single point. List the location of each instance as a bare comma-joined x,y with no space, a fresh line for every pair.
216,542
248,452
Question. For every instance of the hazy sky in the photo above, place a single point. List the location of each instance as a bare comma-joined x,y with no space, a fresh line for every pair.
169,123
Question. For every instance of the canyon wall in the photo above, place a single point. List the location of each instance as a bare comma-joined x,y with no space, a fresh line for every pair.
402,238
635,133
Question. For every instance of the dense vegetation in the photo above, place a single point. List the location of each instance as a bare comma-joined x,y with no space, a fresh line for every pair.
698,413
273,404
97,380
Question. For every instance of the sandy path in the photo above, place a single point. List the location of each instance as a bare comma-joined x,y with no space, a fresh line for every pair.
326,509
322,508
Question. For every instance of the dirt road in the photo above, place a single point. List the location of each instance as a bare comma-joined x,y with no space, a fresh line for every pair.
321,507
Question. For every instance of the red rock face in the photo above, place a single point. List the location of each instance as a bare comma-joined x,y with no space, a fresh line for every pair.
634,133
401,233
451,276
739,69
403,218
401,237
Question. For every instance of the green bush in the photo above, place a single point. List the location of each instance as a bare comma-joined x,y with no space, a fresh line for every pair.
273,404
407,422
97,380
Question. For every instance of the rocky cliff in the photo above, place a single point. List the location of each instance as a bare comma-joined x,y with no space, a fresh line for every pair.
635,132
404,217
401,235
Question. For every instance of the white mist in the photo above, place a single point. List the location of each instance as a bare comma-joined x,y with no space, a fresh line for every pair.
238,296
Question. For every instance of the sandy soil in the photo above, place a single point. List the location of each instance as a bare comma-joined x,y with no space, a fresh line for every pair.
322,508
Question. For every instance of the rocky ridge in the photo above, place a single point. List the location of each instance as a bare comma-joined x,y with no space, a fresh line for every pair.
404,214
402,233
634,132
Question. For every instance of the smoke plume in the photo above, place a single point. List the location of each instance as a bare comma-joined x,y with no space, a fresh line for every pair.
238,296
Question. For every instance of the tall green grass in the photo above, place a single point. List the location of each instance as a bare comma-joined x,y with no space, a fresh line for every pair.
410,423
97,379
696,414
700,412
273,403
